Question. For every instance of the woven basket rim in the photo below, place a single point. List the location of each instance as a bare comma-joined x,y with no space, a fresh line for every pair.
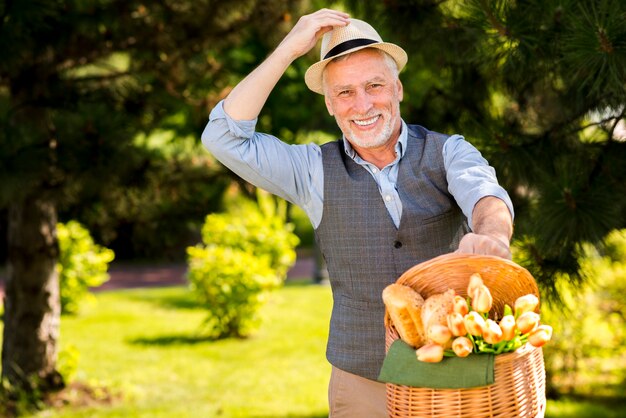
505,279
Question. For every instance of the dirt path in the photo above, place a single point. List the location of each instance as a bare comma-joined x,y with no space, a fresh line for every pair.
125,276
129,276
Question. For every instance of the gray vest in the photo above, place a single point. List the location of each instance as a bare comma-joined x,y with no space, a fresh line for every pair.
364,250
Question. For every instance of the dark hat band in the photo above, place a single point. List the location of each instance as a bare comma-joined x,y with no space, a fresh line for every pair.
348,45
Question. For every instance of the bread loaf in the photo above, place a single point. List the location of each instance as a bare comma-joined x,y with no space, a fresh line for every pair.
436,309
404,306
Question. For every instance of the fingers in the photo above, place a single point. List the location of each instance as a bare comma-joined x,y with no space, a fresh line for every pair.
331,13
324,20
309,28
485,245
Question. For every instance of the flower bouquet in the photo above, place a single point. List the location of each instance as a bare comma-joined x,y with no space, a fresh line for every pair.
468,328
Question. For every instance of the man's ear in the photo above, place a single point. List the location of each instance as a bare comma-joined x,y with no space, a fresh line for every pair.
400,90
328,105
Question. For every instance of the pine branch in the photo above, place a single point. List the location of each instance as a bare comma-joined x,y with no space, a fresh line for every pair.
602,122
495,23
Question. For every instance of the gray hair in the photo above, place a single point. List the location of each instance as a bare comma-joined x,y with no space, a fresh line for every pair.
387,59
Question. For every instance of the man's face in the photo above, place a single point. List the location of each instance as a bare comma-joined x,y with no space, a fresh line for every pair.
364,95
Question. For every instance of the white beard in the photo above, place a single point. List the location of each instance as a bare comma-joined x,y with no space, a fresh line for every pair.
372,142
366,140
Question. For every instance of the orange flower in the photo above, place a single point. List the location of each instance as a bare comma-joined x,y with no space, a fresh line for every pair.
492,332
456,324
462,346
540,335
527,322
460,305
474,323
475,280
439,334
507,325
482,300
526,303
430,353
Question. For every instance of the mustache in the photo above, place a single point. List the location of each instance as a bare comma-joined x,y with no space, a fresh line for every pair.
369,115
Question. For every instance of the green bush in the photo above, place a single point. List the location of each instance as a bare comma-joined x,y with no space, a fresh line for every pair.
67,362
244,254
257,229
232,285
82,264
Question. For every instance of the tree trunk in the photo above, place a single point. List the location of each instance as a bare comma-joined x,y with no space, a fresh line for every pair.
32,305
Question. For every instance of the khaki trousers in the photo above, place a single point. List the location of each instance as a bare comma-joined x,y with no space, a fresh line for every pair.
352,396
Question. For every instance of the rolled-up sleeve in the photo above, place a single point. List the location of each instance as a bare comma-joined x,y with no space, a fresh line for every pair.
293,172
470,177
225,137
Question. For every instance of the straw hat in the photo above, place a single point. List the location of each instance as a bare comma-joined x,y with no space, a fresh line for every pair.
343,40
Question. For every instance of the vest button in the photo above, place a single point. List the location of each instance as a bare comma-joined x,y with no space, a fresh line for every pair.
397,244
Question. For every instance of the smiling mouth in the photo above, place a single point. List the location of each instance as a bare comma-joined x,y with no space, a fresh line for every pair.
366,122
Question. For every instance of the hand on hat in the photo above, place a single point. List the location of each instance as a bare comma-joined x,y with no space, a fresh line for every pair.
309,28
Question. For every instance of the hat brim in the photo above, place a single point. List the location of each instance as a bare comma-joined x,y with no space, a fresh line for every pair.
313,75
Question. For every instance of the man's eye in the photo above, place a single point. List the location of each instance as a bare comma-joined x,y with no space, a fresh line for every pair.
344,93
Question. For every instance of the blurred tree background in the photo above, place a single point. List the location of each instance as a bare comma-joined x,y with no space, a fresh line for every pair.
102,103
540,88
101,106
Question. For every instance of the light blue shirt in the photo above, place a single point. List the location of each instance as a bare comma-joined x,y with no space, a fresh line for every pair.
295,172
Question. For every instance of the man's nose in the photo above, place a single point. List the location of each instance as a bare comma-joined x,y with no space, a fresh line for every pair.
362,102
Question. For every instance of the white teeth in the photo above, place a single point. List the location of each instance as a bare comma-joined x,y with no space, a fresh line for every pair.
366,121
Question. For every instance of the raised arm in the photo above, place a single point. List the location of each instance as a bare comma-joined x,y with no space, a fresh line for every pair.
492,226
249,96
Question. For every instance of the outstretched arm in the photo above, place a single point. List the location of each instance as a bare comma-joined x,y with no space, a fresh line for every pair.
492,229
249,96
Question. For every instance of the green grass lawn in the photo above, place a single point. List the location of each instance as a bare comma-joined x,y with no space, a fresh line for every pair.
144,345
589,408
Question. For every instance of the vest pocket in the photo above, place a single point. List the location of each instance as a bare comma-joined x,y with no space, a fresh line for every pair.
435,235
437,218
361,305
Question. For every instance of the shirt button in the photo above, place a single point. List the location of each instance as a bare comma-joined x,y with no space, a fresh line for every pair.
397,244
388,198
374,170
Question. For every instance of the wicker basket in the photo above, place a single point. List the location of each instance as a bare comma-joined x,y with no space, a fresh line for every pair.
519,387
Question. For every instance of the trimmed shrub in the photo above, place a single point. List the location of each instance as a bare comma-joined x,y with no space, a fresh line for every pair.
254,232
244,254
82,264
231,285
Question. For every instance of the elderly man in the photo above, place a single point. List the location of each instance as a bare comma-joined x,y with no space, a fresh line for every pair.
383,198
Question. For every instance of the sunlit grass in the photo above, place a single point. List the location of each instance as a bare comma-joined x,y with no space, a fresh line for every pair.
576,408
146,344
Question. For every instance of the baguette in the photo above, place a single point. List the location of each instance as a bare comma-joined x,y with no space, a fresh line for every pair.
404,306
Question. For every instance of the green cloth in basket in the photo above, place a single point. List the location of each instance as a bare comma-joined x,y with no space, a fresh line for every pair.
402,368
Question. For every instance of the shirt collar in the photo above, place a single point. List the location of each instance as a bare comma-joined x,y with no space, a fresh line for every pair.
400,145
